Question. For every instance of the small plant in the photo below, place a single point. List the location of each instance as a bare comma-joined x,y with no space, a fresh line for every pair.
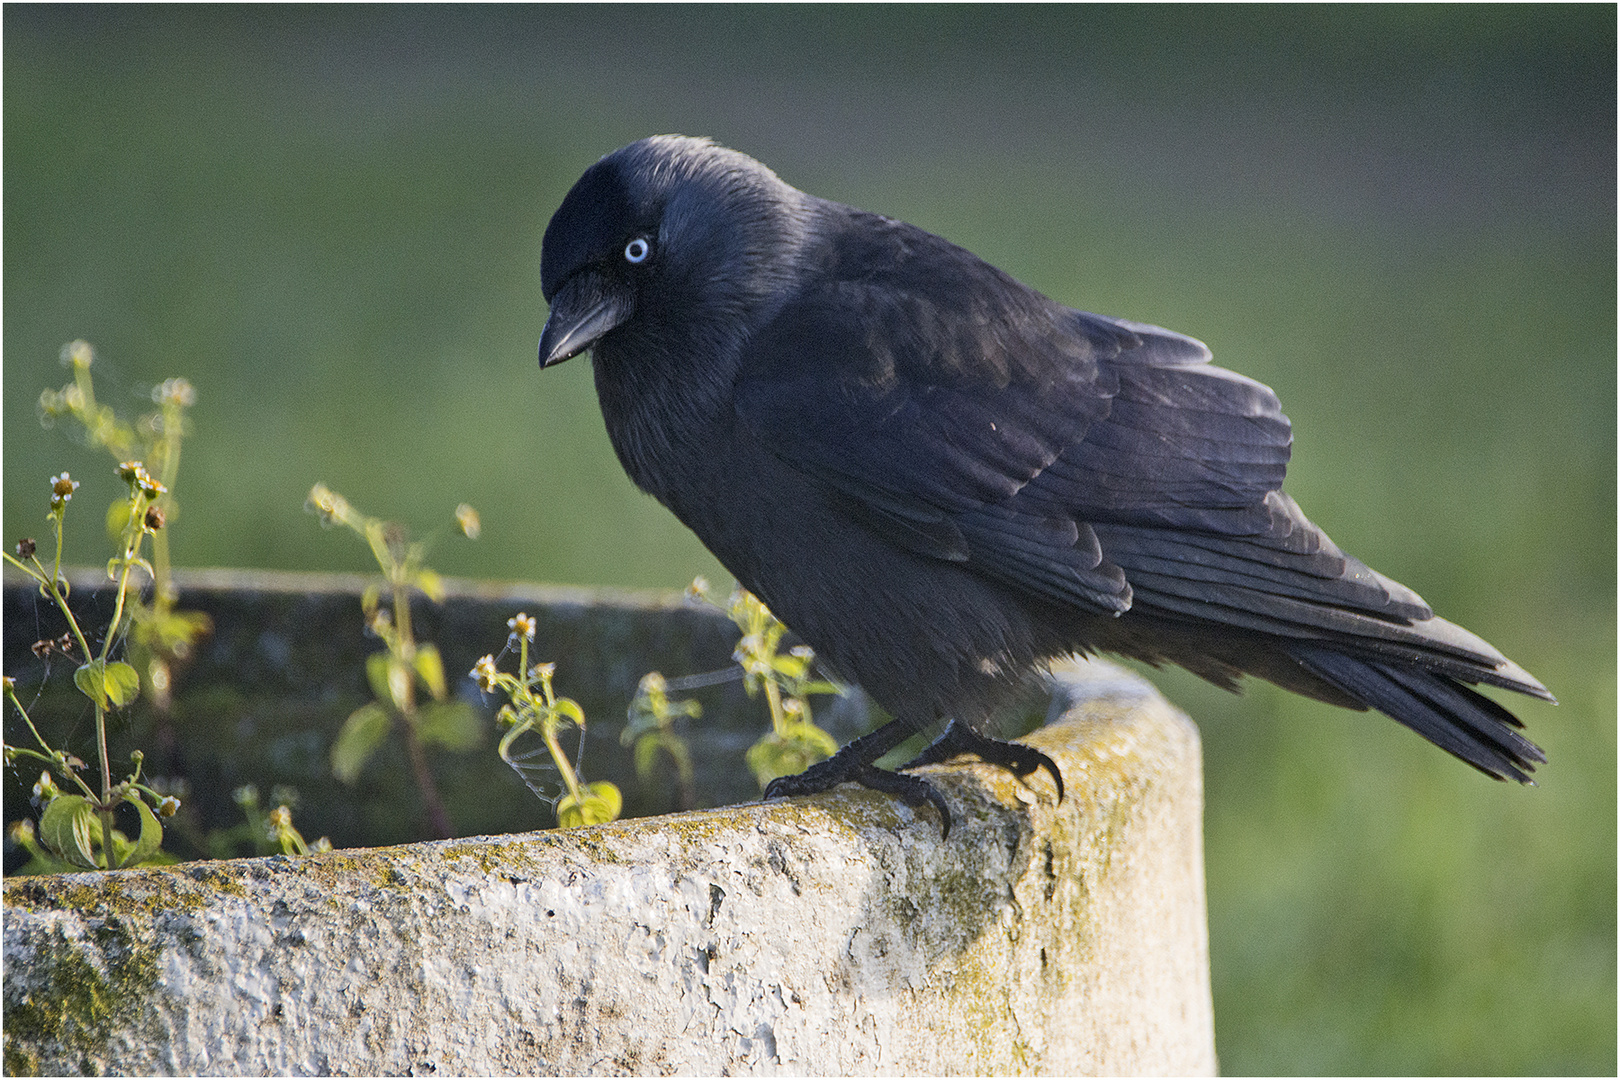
405,665
264,832
161,636
77,829
794,742
652,729
533,706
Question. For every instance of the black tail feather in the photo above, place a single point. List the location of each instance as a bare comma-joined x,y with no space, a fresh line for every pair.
1454,717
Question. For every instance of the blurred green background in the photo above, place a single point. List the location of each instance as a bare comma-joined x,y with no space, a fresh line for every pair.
1401,218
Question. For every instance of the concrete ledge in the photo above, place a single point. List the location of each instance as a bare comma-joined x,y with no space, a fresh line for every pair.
829,935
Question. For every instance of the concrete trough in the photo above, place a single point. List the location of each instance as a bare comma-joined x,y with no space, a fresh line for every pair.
832,935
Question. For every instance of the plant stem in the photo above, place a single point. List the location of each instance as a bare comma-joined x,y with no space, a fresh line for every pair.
130,552
570,778
438,818
165,594
67,613
56,572
773,697
106,788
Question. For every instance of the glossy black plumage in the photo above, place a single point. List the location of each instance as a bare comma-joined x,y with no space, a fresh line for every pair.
940,478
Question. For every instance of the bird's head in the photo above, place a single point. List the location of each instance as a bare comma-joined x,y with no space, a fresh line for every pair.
667,236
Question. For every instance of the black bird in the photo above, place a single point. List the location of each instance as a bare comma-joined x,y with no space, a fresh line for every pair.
940,478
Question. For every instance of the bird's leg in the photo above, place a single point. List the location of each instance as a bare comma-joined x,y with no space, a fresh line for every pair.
1017,758
853,764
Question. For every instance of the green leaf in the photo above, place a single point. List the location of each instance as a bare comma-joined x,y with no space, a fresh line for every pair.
362,733
151,834
118,519
174,630
810,739
431,584
798,747
377,675
453,725
431,668
646,755
600,803
390,679
101,682
122,683
69,828
820,687
794,667
90,681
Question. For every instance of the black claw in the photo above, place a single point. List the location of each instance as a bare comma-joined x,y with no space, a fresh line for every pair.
911,790
853,764
1016,758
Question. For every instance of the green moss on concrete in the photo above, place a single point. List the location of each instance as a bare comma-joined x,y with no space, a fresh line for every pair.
128,894
75,997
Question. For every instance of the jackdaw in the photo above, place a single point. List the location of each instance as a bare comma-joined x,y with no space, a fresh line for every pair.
941,479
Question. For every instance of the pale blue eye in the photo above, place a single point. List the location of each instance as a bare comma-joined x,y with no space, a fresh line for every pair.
637,250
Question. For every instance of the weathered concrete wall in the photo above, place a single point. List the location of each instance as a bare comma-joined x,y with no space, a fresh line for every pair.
830,935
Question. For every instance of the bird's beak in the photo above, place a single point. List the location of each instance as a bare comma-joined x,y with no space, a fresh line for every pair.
585,308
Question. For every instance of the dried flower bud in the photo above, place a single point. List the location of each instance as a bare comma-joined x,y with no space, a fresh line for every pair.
328,504
42,649
46,788
25,549
154,518
484,673
62,489
77,354
174,392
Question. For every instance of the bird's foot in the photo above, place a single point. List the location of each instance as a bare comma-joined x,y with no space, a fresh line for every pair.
853,764
1016,758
